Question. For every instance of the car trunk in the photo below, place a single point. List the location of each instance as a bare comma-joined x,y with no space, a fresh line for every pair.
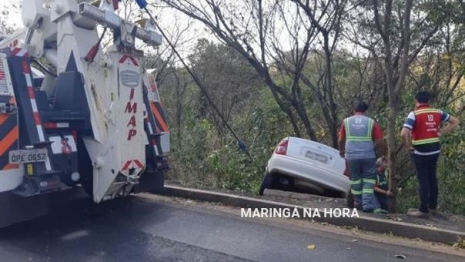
316,154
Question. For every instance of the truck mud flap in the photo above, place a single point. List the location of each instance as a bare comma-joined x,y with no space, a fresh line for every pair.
15,209
150,183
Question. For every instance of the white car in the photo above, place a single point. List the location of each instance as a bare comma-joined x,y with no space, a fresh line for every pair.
305,166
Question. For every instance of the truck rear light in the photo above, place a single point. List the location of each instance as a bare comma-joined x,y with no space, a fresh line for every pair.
281,148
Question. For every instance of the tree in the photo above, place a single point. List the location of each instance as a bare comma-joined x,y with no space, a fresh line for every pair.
258,30
394,86
396,40
229,79
317,58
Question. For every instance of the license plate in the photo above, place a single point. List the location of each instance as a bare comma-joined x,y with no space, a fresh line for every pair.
316,156
28,156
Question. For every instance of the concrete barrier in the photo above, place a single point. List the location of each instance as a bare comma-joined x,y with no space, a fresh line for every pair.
395,228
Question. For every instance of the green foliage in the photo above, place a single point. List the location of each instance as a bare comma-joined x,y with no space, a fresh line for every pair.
408,196
202,157
450,170
206,160
441,11
233,170
205,154
188,159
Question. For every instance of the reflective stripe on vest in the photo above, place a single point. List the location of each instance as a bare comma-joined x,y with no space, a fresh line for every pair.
430,140
359,142
426,110
425,141
366,137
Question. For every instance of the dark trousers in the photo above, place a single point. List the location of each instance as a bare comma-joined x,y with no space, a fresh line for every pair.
427,180
363,180
382,200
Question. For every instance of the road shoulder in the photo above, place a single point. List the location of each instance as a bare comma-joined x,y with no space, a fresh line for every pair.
429,230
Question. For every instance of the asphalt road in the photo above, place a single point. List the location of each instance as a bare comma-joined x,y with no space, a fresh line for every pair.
140,229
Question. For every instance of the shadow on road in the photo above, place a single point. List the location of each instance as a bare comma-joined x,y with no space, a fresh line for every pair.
80,230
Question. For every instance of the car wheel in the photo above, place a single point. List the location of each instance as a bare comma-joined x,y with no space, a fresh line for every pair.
266,182
350,200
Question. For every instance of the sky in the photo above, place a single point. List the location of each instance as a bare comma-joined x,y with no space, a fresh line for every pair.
13,15
172,22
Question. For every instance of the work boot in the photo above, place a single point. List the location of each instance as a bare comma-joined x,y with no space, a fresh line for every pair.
380,211
367,208
416,213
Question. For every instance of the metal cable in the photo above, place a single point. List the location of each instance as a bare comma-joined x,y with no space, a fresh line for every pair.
199,84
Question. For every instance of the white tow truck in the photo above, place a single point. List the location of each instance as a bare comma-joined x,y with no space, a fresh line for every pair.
74,115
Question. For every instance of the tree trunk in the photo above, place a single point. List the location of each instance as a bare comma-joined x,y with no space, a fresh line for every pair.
391,143
394,87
